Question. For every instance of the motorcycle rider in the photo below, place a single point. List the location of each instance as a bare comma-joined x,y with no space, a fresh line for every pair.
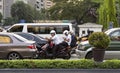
54,37
67,37
73,39
73,44
56,40
60,47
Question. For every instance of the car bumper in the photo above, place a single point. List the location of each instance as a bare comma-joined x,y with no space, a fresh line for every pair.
80,53
30,54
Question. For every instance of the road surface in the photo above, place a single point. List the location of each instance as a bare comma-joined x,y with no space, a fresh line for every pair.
59,71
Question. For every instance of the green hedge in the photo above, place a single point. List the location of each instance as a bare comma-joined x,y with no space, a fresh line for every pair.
59,64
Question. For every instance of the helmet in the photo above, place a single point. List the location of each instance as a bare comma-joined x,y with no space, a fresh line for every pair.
71,31
52,31
65,32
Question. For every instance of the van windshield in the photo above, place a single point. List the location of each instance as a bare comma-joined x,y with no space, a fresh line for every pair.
45,29
16,28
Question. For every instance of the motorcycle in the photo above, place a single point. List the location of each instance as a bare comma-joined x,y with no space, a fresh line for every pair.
47,51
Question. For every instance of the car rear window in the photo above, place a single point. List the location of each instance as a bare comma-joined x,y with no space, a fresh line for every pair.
27,36
5,39
20,38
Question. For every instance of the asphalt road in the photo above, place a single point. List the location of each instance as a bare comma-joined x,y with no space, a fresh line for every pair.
59,71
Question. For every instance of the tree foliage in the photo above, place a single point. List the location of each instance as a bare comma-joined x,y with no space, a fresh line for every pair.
20,10
74,10
9,21
107,14
118,7
44,14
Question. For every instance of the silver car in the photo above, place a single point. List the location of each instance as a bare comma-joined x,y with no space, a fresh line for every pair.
13,46
84,49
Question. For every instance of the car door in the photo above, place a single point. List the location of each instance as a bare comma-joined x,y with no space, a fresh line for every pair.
4,45
113,51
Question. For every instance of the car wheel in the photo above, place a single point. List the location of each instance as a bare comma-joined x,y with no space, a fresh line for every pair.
89,56
13,56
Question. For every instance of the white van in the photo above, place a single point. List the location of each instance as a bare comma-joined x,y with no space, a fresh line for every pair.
43,29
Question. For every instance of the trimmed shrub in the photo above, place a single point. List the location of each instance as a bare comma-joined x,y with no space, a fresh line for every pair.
48,64
59,64
99,40
110,64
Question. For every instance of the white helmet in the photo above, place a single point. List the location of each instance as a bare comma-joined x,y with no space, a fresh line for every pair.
65,32
71,31
52,31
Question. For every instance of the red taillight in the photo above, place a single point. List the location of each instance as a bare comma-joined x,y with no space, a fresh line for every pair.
32,46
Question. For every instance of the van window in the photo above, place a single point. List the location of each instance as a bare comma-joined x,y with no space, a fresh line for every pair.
17,28
46,29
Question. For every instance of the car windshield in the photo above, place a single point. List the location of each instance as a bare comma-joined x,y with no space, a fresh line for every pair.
108,31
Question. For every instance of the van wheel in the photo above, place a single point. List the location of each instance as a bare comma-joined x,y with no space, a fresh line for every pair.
89,56
13,56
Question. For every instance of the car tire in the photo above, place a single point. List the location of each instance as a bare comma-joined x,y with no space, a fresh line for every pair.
89,56
13,56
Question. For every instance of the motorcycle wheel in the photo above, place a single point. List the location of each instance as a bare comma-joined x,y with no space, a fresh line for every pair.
42,55
67,56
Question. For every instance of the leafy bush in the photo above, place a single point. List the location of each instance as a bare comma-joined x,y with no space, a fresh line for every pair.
99,40
110,64
59,64
47,64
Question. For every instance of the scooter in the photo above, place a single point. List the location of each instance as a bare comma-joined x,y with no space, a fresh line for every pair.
47,51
